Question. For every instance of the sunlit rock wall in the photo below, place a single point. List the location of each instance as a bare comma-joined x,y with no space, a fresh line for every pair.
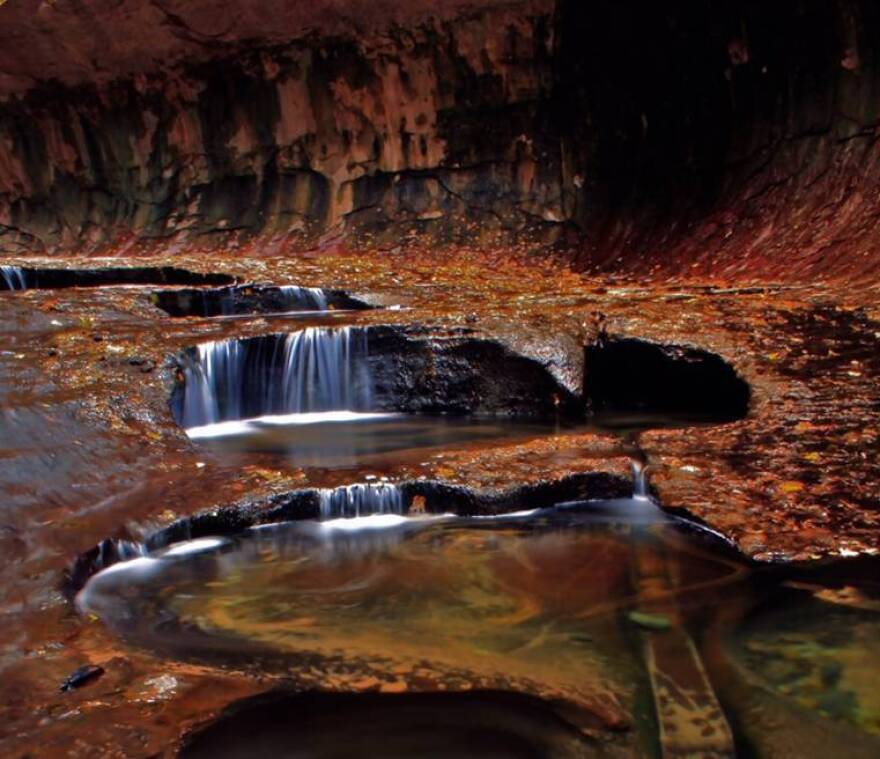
439,128
735,139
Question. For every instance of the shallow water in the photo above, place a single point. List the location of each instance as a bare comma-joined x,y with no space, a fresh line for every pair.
552,603
818,650
355,573
344,439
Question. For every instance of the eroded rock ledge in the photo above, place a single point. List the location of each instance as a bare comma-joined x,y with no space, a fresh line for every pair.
434,496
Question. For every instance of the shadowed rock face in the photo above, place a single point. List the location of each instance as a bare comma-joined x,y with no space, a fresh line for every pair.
695,137
724,138
252,299
481,724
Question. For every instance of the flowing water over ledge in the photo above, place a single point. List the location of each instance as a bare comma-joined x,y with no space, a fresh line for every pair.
253,299
556,603
313,397
338,397
313,370
12,277
42,278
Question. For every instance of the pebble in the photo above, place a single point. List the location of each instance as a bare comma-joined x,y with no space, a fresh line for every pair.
82,676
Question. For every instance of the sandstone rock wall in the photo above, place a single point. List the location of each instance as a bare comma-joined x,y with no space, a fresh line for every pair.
725,138
440,127
730,138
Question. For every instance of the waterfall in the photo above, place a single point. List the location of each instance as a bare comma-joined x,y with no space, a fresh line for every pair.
213,383
360,501
314,370
311,298
111,552
321,371
13,277
640,480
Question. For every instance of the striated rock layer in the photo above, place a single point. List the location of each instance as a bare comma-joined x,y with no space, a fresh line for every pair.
315,134
734,139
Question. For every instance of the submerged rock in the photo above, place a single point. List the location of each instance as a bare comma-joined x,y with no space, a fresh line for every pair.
656,622
82,676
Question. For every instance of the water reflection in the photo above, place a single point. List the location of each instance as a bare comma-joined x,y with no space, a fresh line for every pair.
549,602
816,650
344,439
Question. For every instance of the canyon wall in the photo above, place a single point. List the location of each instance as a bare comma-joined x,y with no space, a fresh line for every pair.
706,137
725,137
438,128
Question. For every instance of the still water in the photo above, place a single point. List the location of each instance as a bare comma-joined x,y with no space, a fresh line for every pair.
347,439
344,439
585,606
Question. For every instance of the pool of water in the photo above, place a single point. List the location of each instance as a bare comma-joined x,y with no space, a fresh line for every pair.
345,439
582,605
338,439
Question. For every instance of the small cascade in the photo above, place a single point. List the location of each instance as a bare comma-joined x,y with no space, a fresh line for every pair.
111,552
308,298
13,277
322,371
640,480
213,383
360,501
314,370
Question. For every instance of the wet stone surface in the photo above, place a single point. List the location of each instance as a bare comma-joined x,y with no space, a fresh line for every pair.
91,449
252,299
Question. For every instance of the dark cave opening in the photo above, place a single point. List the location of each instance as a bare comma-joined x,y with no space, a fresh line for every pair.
642,379
463,724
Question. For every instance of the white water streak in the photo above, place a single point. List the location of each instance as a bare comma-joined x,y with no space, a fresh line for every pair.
312,298
13,277
244,426
360,500
317,370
